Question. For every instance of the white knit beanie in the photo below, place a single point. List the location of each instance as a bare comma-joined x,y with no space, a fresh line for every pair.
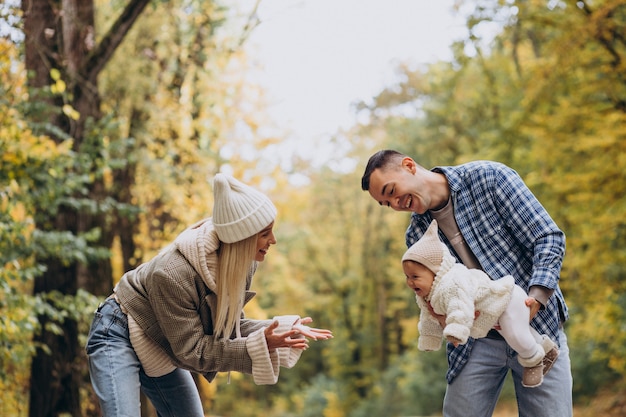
239,210
429,250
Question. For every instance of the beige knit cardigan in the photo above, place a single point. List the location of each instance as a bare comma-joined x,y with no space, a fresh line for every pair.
171,304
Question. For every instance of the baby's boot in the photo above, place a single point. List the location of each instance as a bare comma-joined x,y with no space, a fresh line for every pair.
532,375
552,353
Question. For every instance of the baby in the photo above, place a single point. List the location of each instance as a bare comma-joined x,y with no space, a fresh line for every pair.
456,292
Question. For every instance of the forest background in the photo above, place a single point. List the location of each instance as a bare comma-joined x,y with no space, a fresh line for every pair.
114,115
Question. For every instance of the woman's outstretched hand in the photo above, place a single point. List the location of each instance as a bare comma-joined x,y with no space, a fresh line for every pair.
296,337
311,332
281,340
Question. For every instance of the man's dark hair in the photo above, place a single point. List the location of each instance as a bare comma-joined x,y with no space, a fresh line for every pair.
379,160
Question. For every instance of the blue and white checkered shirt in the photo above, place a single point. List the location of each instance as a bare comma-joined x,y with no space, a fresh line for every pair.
510,233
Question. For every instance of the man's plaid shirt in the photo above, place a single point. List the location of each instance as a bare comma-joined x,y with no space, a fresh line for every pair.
510,233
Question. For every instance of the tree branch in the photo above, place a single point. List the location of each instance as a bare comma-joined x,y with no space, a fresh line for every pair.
97,59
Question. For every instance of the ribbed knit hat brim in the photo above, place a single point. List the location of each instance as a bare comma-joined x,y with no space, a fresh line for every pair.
239,210
427,251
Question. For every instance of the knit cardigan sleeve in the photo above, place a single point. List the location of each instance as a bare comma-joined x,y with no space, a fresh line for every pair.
265,365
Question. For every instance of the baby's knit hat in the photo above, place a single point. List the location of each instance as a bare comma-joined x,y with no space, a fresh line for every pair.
239,210
429,250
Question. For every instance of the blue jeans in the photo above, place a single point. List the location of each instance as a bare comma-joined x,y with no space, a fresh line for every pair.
474,392
117,376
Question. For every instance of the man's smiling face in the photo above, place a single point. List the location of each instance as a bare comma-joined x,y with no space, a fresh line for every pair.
399,188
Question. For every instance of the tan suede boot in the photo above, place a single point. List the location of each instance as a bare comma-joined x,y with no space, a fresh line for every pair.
532,375
552,353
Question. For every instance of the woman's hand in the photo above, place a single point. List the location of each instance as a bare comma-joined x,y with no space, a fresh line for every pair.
281,340
310,332
296,337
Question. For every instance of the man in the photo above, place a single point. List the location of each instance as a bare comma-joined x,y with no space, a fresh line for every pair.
490,220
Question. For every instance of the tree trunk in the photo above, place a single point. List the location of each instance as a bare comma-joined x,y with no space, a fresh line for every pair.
60,34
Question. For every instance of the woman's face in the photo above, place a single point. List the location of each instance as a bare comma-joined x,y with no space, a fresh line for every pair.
264,239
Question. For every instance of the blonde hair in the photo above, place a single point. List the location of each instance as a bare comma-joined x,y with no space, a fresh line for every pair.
235,263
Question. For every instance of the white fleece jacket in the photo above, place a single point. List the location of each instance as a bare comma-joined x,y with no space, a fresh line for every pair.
458,292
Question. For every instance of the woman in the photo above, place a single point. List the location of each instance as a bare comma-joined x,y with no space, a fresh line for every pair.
182,312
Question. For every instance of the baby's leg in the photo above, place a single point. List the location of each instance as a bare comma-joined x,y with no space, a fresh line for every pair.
536,335
516,330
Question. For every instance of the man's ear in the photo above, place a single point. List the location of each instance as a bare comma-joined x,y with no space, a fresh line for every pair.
409,164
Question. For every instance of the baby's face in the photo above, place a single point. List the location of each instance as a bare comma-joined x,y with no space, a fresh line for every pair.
418,277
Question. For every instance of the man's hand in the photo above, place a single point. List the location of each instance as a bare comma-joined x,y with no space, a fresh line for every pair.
310,332
534,306
441,318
